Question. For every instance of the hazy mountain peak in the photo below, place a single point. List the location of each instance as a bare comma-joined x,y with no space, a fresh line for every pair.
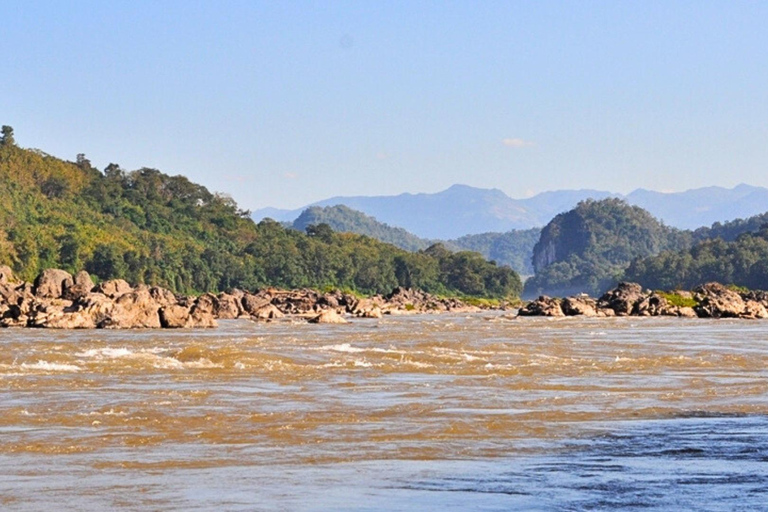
462,209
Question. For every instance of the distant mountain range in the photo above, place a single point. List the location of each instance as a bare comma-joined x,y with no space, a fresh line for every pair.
462,210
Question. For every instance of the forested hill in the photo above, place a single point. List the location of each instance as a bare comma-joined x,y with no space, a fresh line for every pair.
512,248
148,227
346,220
592,247
588,248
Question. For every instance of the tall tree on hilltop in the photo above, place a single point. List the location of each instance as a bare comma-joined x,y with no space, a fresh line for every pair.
7,136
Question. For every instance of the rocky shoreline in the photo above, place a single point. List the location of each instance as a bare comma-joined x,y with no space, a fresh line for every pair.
60,300
712,300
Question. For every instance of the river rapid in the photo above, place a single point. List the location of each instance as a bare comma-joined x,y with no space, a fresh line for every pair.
443,412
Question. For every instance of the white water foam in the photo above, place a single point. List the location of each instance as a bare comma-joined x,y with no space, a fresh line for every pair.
343,347
52,367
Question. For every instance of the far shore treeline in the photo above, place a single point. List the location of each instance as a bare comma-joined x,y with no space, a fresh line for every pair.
148,227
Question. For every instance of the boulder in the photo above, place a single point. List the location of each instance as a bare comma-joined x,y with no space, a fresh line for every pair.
133,310
580,305
328,300
52,282
178,316
83,278
364,307
543,306
11,294
754,310
374,312
173,316
655,305
296,301
82,286
18,301
267,312
227,306
6,275
757,296
62,314
253,303
162,296
114,288
328,316
717,301
622,299
201,312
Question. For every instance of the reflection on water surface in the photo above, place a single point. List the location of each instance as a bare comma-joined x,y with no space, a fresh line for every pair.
425,412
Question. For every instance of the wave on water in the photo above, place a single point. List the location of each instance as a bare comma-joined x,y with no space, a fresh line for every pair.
49,366
343,347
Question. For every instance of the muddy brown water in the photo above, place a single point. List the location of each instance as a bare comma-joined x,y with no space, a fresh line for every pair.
462,412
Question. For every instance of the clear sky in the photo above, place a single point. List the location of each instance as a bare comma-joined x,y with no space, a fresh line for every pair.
283,103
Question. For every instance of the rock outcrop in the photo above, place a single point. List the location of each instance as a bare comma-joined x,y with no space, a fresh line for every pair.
622,299
52,282
328,316
543,306
60,301
711,300
582,305
717,301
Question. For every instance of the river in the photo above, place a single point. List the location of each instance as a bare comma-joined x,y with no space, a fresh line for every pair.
444,412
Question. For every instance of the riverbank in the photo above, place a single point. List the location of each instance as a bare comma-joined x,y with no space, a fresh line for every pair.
60,300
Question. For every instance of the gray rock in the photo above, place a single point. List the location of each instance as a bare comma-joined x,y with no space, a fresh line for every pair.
267,312
543,306
717,301
328,316
135,309
174,316
581,305
6,275
52,282
622,299
228,306
114,288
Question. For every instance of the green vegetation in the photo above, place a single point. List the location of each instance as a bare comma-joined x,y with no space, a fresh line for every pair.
512,248
346,220
676,299
742,262
148,227
731,230
588,248
483,302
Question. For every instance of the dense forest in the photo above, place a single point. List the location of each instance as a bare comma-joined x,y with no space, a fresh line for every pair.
588,248
344,219
740,262
148,227
512,248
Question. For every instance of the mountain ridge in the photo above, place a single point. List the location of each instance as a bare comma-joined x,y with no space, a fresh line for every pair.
465,210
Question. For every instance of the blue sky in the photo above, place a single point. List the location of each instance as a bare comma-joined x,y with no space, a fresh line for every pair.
283,103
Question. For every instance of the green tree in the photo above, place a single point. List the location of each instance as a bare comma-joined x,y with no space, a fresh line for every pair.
7,136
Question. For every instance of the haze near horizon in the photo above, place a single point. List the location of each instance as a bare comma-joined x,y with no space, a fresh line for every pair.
285,104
